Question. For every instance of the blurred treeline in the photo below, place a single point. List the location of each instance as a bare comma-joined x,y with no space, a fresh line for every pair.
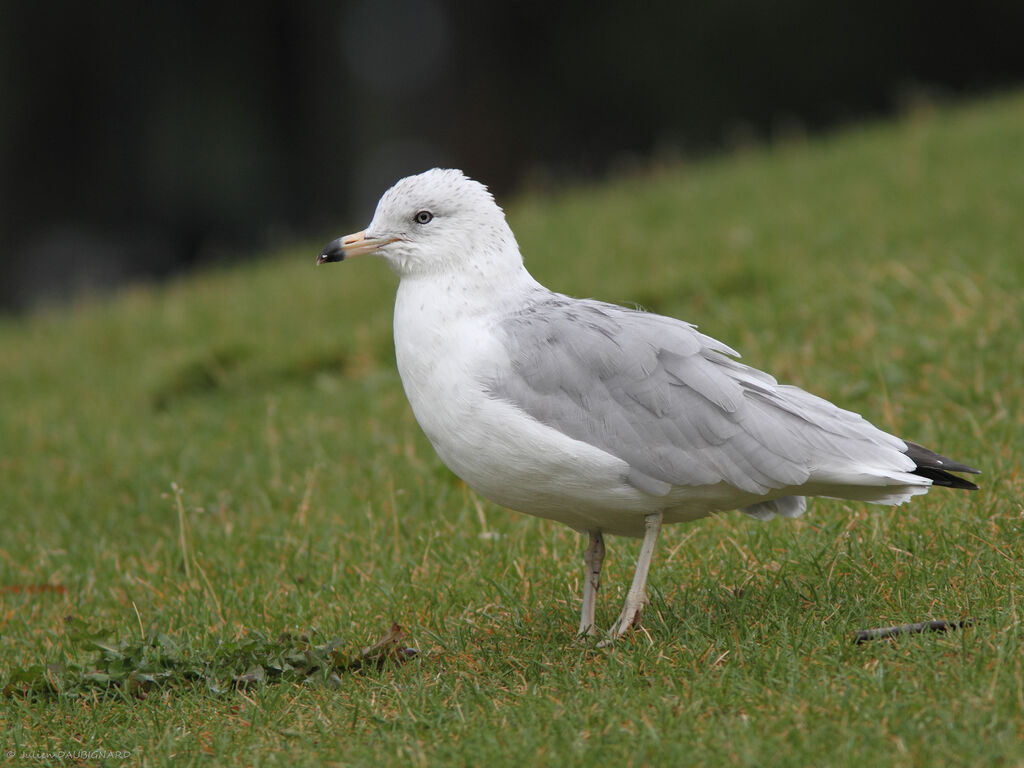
137,138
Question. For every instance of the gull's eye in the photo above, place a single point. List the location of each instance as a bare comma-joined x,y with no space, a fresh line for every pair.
424,217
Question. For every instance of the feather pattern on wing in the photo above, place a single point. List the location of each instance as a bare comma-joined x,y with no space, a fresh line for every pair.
681,411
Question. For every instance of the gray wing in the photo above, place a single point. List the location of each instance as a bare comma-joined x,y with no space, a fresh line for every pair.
674,405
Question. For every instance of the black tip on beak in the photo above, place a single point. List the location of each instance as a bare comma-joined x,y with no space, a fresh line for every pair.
333,251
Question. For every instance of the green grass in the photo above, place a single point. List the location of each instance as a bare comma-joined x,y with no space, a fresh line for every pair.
221,474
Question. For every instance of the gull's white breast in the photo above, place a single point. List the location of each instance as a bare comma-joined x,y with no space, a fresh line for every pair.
446,349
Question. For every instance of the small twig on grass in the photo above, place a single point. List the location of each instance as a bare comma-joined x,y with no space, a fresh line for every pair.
388,647
881,633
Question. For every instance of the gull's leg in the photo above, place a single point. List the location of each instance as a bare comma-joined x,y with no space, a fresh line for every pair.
637,595
593,559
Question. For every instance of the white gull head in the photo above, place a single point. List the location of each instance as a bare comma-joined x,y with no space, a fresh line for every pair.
435,223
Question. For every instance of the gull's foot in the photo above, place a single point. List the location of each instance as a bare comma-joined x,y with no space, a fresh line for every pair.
629,618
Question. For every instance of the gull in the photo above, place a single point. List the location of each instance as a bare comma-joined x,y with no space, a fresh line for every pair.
609,420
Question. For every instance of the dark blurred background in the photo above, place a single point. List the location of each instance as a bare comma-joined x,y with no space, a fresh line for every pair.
139,139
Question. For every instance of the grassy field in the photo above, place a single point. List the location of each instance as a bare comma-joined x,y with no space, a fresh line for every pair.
213,495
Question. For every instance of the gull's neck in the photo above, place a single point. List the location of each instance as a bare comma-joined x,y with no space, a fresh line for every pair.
494,282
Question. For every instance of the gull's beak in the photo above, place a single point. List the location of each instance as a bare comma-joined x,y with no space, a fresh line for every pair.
351,245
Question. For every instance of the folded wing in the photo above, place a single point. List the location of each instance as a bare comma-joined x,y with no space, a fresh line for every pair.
681,411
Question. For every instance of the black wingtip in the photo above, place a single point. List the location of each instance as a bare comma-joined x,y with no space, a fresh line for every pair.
939,468
945,479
